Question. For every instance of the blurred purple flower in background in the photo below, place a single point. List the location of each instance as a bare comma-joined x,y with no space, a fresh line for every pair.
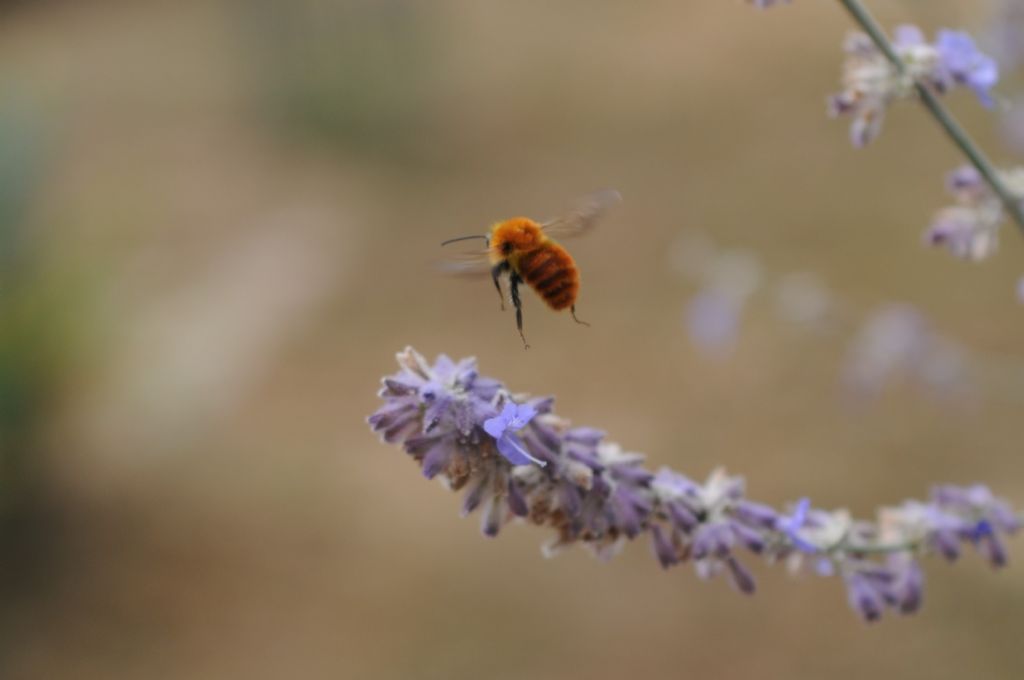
871,83
447,418
969,229
961,59
893,342
727,279
1005,33
713,320
897,341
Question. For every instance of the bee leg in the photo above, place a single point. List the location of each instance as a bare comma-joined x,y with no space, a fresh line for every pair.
573,312
513,282
496,272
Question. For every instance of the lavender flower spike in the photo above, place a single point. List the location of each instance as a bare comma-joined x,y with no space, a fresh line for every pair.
518,461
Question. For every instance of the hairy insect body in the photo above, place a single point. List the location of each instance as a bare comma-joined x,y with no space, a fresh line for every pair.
525,251
521,246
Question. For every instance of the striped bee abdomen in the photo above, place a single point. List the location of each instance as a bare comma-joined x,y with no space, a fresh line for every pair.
551,271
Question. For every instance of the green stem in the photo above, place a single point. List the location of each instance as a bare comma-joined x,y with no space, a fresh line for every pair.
876,549
956,133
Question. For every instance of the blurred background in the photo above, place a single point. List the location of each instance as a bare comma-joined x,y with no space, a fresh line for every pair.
217,226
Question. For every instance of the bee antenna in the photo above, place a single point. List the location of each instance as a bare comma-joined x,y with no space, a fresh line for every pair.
462,238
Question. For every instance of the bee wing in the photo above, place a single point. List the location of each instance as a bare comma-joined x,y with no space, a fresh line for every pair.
471,264
584,216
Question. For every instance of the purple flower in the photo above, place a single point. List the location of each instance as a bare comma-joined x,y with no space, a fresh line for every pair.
966,64
865,596
908,35
593,493
503,428
792,524
871,84
713,318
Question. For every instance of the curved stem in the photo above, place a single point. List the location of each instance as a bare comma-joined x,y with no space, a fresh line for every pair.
952,128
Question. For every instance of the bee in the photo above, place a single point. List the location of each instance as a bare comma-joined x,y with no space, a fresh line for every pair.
526,250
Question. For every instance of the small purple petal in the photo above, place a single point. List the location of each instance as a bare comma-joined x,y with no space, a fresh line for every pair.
495,426
436,459
444,367
908,35
485,388
524,414
516,503
753,541
757,514
947,544
791,526
490,523
675,482
908,588
712,540
436,410
864,598
663,548
634,474
390,414
508,411
681,515
967,65
585,435
628,511
475,495
393,387
741,578
570,500
823,566
512,448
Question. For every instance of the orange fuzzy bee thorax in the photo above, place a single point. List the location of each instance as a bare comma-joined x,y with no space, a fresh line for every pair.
514,236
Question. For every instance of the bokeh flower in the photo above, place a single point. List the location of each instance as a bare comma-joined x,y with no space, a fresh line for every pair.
871,83
969,229
965,64
713,321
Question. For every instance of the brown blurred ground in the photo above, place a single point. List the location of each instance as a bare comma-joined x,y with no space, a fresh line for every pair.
232,214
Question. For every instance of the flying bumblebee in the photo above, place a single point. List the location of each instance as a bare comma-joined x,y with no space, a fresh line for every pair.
527,252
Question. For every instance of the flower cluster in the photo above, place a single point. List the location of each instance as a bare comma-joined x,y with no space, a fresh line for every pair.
516,460
871,83
969,228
